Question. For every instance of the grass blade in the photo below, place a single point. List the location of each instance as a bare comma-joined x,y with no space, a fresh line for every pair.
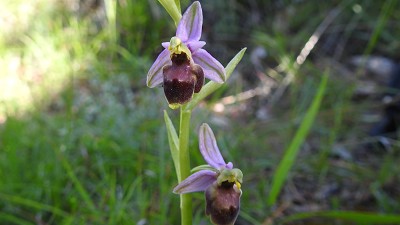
294,147
78,185
13,219
173,141
172,9
386,11
32,204
178,5
212,86
357,217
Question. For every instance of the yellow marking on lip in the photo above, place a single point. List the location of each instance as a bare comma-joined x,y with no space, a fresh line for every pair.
176,46
238,185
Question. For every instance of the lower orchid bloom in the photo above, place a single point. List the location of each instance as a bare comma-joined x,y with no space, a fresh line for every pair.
219,180
183,64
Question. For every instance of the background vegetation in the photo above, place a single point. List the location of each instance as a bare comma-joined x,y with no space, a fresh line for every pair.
82,139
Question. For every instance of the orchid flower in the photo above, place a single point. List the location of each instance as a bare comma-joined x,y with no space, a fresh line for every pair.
183,64
219,180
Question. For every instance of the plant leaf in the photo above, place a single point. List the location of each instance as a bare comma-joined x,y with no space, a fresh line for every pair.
212,86
357,217
173,141
172,8
294,147
178,4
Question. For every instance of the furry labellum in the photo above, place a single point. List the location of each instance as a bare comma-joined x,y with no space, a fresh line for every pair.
223,203
181,80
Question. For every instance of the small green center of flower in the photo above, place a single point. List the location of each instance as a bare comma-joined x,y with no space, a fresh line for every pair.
177,47
232,176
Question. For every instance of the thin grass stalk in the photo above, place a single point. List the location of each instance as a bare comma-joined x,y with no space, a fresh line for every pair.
353,216
288,160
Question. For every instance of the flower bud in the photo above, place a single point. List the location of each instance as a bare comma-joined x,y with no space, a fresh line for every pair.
223,203
181,80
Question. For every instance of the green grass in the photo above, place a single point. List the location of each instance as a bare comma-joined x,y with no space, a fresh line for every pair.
79,147
357,217
83,141
93,163
291,153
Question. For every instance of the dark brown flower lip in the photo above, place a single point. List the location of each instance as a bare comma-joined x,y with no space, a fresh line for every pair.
181,80
178,92
222,203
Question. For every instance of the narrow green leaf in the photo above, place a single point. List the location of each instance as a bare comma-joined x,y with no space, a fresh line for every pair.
212,86
4,217
127,198
14,199
172,8
178,5
173,141
357,217
246,216
111,13
234,62
294,147
386,11
78,185
112,201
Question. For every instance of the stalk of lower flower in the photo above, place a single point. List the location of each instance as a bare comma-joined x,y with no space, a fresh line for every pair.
184,164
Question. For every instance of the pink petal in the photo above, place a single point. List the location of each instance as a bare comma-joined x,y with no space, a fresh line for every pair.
198,181
208,147
213,69
155,74
190,26
194,45
165,44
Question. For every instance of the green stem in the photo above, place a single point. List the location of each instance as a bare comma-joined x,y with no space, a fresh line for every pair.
184,164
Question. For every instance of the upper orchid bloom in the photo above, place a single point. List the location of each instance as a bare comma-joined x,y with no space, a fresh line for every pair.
183,64
220,181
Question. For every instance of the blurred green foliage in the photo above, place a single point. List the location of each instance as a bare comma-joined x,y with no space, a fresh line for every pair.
82,140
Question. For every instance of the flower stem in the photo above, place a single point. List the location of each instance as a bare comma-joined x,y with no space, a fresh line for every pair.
184,164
